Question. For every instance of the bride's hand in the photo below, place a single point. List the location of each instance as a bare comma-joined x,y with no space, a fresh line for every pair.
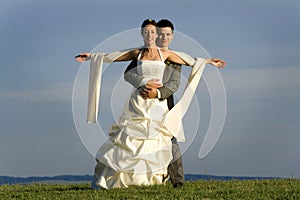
216,62
82,57
154,83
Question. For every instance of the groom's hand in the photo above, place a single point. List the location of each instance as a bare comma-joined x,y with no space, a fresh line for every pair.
148,92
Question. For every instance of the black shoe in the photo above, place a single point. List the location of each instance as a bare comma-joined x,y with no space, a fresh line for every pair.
178,185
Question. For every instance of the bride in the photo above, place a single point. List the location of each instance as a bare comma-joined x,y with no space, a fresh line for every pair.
138,151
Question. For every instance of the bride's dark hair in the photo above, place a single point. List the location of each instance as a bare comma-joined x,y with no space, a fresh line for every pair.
148,22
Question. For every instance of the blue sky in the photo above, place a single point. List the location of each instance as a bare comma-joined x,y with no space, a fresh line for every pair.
259,40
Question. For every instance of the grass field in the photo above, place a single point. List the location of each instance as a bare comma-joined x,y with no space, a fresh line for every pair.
233,189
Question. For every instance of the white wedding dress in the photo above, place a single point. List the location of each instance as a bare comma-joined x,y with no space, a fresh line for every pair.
138,151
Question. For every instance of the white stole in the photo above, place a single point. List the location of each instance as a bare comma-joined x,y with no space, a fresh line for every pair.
173,119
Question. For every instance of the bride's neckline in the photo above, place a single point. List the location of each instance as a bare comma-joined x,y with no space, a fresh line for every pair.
153,55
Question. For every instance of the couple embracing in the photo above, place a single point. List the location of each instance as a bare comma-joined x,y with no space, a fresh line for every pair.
142,148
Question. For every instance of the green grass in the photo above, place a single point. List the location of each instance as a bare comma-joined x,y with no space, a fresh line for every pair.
233,189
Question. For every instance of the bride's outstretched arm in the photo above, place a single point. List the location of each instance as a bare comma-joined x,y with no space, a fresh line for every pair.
175,58
128,55
188,60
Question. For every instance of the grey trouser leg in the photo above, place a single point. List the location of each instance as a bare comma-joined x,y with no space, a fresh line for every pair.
175,168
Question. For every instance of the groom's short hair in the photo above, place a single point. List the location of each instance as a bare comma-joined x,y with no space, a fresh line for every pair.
165,23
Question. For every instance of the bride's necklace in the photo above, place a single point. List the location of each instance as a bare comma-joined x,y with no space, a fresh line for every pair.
150,53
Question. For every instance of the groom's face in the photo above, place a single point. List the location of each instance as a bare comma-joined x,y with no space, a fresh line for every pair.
165,37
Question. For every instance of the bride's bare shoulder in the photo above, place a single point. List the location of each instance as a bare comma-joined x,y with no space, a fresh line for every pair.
166,52
135,52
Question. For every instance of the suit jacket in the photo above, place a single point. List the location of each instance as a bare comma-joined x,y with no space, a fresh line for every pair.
171,80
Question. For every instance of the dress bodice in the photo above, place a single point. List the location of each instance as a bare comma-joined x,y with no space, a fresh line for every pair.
151,69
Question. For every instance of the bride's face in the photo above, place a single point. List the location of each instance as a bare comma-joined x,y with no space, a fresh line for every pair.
149,34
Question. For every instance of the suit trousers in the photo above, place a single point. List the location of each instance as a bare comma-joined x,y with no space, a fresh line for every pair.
175,168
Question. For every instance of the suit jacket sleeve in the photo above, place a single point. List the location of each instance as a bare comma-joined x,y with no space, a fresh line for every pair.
173,81
131,75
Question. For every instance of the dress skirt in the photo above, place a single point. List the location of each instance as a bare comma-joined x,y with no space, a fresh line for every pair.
138,151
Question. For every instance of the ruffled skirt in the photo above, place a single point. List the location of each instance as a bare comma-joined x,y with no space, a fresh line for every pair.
138,151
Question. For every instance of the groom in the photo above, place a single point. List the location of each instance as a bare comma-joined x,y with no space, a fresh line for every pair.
171,81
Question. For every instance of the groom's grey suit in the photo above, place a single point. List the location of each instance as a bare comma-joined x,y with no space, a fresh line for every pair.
171,82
